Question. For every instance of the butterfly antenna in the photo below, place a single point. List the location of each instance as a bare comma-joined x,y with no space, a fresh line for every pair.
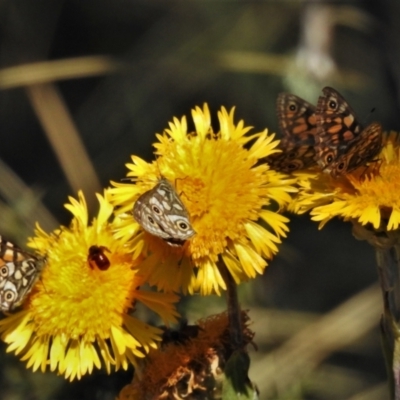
182,193
369,116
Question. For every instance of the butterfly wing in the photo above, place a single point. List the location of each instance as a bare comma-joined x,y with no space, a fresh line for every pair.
337,127
362,150
342,144
293,157
19,272
298,125
142,212
161,212
296,118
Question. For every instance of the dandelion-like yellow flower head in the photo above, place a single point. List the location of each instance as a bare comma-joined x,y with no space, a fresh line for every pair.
370,195
226,190
78,314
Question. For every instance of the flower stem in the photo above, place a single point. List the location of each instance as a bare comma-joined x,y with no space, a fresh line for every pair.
388,271
234,311
387,247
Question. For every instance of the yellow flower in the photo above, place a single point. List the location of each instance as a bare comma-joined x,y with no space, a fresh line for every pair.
369,195
77,317
226,191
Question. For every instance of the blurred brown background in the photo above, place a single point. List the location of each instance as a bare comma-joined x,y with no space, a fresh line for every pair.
124,69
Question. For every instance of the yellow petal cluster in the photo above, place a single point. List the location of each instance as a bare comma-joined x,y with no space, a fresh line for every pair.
228,192
78,317
369,195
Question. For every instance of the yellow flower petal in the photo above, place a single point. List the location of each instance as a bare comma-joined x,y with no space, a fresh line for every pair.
367,195
226,190
394,219
78,313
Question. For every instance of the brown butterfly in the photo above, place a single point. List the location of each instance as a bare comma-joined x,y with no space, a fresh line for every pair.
298,125
342,144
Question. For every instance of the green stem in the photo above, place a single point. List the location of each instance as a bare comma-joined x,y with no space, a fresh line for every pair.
234,310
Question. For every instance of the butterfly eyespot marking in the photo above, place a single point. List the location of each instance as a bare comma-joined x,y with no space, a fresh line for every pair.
151,220
328,158
292,107
333,104
9,295
183,225
156,210
341,166
4,271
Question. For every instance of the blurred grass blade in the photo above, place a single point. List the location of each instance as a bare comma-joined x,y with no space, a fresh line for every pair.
64,137
299,355
49,71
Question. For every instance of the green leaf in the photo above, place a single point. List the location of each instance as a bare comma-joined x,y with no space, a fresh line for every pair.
236,384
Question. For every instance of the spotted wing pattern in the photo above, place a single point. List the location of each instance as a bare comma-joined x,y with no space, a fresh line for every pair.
161,213
19,271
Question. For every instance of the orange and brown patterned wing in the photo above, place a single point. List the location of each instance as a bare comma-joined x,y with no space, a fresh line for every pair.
296,118
337,127
293,158
298,125
361,151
